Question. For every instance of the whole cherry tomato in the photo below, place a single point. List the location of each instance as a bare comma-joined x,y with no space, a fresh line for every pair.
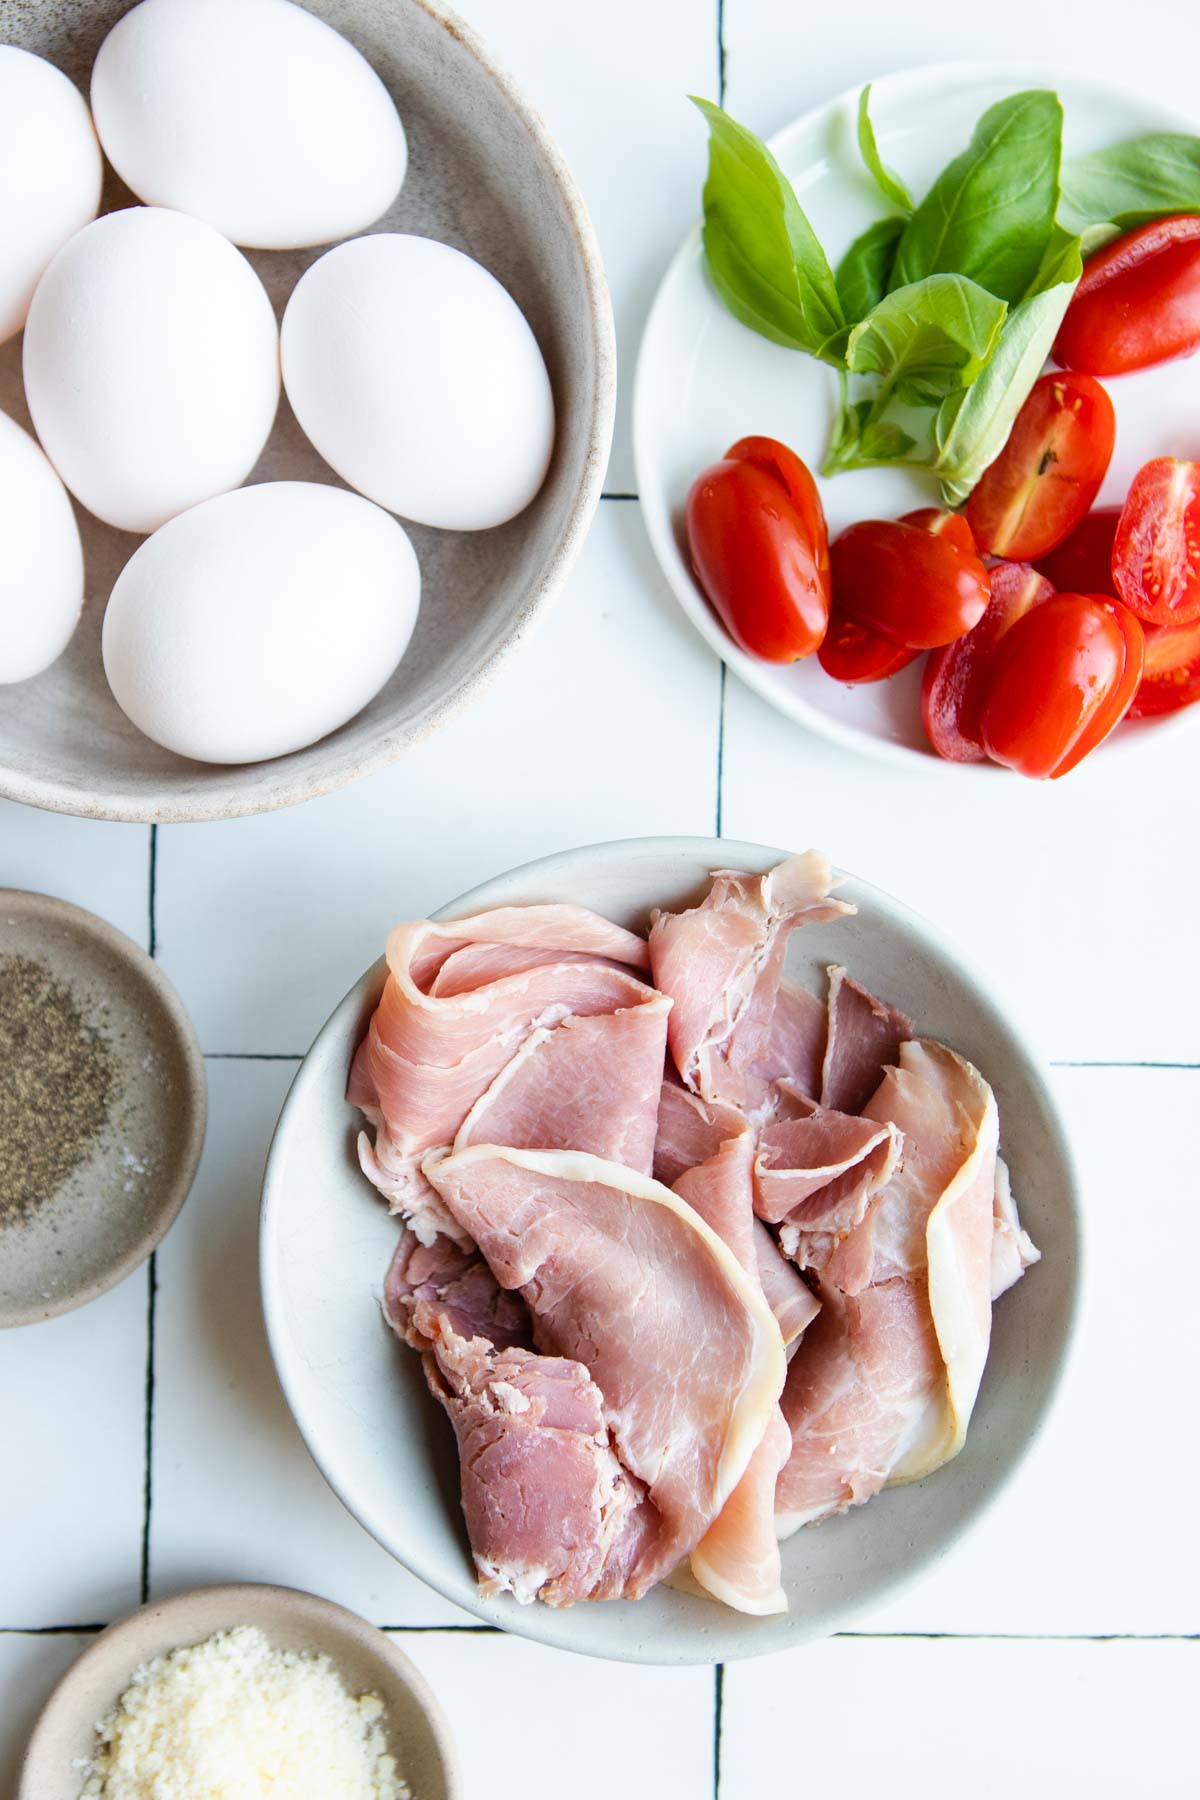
1138,302
760,549
955,677
1058,682
1082,564
1171,677
907,584
1156,551
1048,473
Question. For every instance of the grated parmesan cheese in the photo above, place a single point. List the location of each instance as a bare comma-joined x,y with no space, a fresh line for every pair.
234,1719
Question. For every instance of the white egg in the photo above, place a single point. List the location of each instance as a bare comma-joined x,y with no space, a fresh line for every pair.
416,376
41,559
258,622
251,114
50,173
151,362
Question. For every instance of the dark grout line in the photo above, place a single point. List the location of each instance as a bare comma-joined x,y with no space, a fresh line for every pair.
148,1470
463,1630
1022,1637
87,1630
721,52
619,496
1124,1065
721,750
254,1056
718,1713
153,896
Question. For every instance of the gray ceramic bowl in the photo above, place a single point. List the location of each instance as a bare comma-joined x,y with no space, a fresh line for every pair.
485,177
360,1400
367,1661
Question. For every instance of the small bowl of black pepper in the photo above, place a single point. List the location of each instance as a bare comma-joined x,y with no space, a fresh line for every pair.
102,1106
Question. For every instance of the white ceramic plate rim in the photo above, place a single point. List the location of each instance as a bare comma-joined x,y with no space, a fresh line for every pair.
907,83
545,1624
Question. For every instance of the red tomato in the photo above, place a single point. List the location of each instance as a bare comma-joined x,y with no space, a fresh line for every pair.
1058,683
955,677
1156,552
907,584
854,654
1082,564
1138,302
760,549
1171,677
950,525
1048,473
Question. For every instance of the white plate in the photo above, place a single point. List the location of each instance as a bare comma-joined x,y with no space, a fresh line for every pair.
704,380
386,1448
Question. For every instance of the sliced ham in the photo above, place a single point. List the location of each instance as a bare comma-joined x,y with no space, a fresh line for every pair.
816,1177
550,1512
1013,1250
786,1292
690,1129
622,1276
865,1035
457,1283
722,962
590,1083
737,1559
889,1371
796,1048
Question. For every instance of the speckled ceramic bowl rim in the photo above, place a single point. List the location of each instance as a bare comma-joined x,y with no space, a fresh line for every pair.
57,796
164,999
117,1645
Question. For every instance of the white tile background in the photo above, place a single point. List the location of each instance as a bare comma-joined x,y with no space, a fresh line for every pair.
144,1444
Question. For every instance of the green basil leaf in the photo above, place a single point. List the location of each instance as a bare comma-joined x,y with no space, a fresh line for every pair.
1130,184
886,180
863,273
763,254
927,340
990,212
885,441
972,426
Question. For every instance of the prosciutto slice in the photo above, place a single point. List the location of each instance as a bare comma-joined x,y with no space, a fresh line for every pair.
737,1559
865,1035
722,963
458,1003
816,1177
889,1372
625,1278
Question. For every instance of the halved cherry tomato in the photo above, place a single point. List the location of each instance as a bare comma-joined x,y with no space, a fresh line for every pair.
760,549
907,584
950,525
1082,564
853,654
1171,677
1048,473
1138,302
1156,551
1058,682
955,677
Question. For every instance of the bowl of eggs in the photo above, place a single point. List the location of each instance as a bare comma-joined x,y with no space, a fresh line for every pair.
306,394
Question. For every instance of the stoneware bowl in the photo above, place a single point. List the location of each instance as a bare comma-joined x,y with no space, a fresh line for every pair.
366,1660
484,176
110,1213
359,1396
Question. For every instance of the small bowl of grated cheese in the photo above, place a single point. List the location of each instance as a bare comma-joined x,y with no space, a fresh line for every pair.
241,1693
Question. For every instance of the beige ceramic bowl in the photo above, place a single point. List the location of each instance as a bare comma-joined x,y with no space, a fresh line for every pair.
108,1216
366,1660
385,1446
484,176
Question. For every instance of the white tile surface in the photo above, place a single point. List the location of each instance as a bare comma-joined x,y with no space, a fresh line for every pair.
236,1495
613,87
530,1721
939,1720
605,727
103,867
29,1667
72,1412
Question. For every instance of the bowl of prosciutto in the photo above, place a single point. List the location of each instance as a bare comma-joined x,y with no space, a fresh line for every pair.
669,1249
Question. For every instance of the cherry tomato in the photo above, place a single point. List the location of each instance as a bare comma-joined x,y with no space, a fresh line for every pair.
760,549
1058,682
1082,564
1156,551
854,654
1138,302
1048,473
955,677
907,584
950,525
1171,677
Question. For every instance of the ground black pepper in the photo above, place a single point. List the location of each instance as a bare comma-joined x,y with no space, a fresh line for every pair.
58,1079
